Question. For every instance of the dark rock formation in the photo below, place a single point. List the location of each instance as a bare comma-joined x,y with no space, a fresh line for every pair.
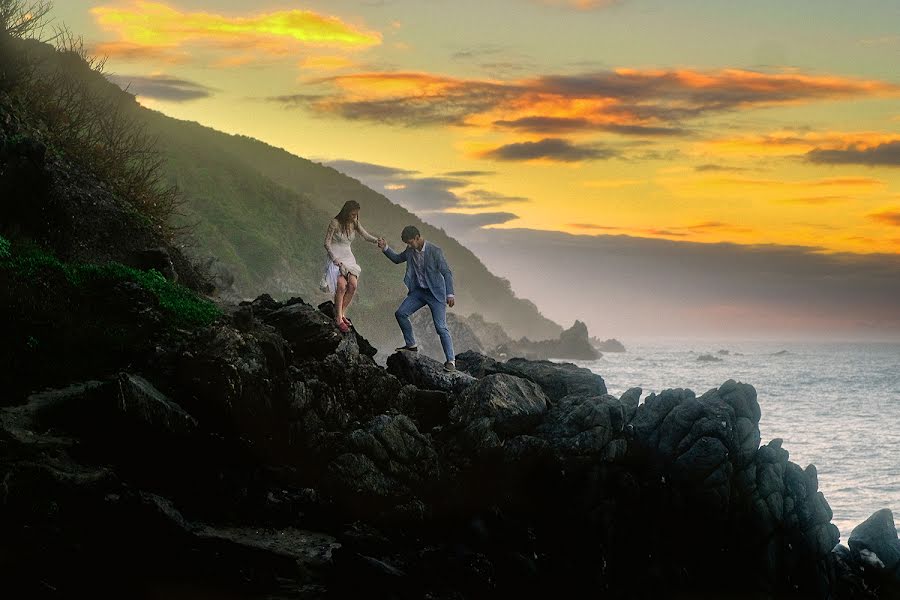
474,334
267,455
572,343
610,345
427,373
556,379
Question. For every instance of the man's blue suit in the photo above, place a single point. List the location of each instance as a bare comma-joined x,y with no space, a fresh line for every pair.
439,280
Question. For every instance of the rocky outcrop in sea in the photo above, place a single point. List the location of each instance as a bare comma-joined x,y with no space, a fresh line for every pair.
268,455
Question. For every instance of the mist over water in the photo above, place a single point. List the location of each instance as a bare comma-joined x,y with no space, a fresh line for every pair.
835,405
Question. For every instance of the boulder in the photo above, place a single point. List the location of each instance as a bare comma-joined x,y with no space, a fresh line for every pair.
556,379
387,460
309,332
876,536
108,409
426,373
363,345
498,407
140,402
610,345
585,425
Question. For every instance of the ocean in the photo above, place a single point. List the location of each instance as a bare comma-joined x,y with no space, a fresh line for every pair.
835,405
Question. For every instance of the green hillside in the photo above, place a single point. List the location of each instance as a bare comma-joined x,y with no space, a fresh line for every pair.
263,211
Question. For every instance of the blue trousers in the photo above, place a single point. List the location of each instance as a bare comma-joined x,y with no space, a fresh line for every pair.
416,299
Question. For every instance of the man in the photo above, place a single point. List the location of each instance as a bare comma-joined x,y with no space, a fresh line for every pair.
430,282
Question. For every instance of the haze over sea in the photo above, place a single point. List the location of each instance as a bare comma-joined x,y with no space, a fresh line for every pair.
835,405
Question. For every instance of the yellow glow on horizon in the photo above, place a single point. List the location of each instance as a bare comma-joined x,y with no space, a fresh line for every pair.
326,63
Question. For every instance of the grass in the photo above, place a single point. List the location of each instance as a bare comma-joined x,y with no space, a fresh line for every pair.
184,308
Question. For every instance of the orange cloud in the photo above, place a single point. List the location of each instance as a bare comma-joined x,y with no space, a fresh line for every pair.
136,52
792,143
887,217
581,4
682,231
817,200
155,25
623,101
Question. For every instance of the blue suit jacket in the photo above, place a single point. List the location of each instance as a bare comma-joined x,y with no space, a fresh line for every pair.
437,272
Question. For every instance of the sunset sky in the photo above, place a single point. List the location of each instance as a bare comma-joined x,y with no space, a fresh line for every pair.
759,124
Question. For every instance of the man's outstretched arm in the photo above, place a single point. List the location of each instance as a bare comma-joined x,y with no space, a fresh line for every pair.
393,256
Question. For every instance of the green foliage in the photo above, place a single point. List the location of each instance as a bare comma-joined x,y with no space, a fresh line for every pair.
182,306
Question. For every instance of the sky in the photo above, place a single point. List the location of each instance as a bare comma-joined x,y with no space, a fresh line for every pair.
747,153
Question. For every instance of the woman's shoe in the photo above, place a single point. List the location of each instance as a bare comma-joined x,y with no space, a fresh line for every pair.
347,321
344,327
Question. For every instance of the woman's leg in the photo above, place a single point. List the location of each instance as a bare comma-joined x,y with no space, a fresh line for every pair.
352,283
339,292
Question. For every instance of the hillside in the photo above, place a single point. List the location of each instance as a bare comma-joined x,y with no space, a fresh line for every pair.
263,211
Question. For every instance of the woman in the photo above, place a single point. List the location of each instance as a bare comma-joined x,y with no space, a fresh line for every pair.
342,272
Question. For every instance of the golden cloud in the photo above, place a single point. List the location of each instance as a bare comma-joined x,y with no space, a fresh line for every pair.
794,143
647,103
136,52
887,217
155,25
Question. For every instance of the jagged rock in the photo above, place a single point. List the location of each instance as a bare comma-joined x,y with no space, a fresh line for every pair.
388,459
298,552
498,407
556,379
708,358
630,400
140,401
694,439
363,345
426,373
477,365
429,408
308,331
877,535
107,408
610,345
572,343
585,426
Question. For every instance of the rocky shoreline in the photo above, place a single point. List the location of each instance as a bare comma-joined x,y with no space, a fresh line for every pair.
267,455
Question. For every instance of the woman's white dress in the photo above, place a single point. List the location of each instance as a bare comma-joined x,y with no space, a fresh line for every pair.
337,245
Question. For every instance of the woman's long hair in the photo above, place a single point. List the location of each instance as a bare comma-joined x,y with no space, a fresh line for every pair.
343,217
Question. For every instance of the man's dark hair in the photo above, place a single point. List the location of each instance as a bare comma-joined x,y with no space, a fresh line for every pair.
408,233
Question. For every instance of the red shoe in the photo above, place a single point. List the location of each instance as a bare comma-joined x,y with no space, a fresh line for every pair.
344,327
347,321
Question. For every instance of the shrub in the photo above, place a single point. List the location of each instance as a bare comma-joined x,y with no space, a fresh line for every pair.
182,307
83,116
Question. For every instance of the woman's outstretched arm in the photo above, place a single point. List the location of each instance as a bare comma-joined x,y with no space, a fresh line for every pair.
329,235
366,235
